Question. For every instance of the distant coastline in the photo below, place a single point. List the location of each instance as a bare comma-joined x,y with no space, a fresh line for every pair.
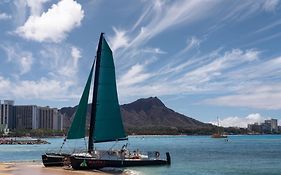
149,116
26,138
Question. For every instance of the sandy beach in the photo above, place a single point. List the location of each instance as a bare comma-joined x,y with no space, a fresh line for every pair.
39,169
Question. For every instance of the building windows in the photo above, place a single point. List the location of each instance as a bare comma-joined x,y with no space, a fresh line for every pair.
29,117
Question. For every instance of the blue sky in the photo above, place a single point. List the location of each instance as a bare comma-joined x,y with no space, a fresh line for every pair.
205,59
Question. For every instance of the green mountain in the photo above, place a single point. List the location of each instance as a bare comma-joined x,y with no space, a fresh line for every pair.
151,116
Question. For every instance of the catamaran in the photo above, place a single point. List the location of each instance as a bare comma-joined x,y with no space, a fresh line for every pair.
105,123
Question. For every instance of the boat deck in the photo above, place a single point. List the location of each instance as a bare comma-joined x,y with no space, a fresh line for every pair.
120,155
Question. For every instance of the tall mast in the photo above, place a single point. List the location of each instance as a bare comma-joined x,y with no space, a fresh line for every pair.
94,100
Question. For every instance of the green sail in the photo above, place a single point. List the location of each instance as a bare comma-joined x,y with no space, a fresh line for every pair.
108,121
77,128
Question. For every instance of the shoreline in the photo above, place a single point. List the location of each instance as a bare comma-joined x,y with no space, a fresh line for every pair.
138,136
133,135
37,168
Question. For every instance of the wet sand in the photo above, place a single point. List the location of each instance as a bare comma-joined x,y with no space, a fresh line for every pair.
39,169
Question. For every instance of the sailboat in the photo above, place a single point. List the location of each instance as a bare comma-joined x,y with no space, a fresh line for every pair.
105,124
218,134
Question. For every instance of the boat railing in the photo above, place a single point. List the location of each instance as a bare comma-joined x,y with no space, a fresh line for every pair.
126,154
67,151
121,154
154,155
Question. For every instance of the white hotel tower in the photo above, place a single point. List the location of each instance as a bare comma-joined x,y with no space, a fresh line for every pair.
6,115
28,117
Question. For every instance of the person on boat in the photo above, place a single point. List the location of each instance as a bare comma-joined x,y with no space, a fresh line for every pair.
124,150
124,147
136,154
157,154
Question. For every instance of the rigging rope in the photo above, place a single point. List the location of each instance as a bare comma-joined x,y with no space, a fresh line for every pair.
64,140
85,143
113,145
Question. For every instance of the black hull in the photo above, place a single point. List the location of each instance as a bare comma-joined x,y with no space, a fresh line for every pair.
54,159
87,163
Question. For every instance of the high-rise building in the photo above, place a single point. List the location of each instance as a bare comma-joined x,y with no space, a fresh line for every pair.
26,117
254,127
29,117
1,125
7,120
58,120
274,125
49,118
268,126
35,117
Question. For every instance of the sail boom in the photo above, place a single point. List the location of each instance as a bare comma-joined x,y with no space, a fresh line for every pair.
111,140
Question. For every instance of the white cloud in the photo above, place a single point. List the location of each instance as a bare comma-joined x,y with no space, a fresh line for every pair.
166,16
159,16
70,68
215,68
192,43
41,89
241,10
268,27
261,100
270,5
60,65
4,84
60,81
76,55
54,24
26,63
142,17
4,16
44,88
133,76
62,61
271,68
236,121
23,59
252,86
154,50
119,40
207,73
20,12
36,6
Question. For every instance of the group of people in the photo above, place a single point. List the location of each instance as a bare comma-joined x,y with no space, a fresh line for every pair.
125,153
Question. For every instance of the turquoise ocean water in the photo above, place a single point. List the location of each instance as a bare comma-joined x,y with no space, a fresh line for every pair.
191,155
